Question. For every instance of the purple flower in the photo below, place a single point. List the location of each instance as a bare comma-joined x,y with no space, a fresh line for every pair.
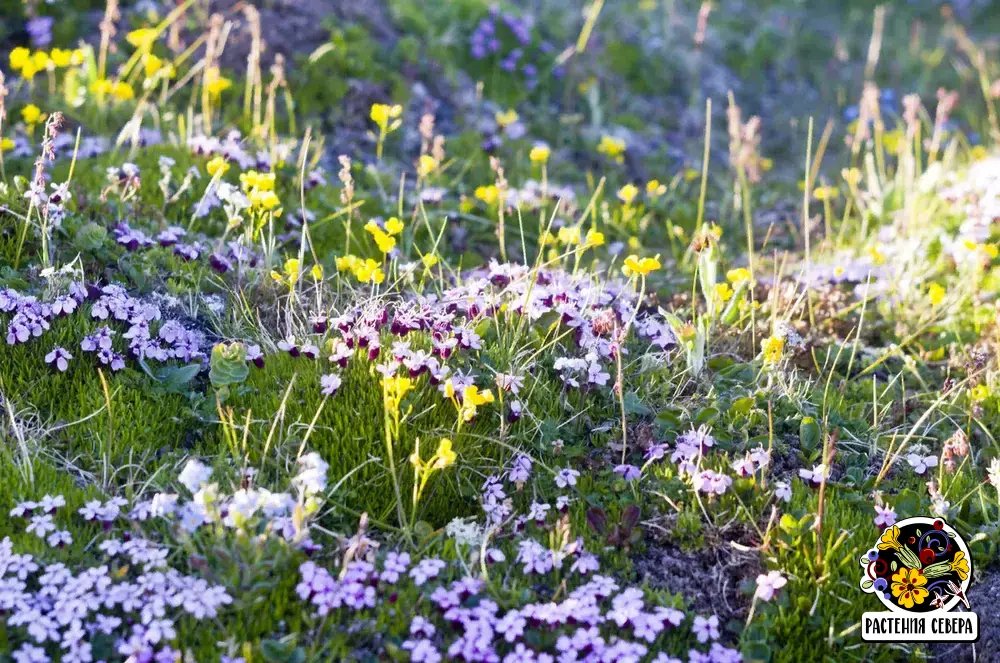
628,472
59,358
566,477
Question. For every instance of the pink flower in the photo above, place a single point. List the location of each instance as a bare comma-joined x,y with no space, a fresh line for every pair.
884,516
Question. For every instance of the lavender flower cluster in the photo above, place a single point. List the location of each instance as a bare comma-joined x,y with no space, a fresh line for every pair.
598,621
508,37
132,602
134,599
146,338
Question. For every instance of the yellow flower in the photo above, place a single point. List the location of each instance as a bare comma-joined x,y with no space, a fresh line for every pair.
31,114
264,200
449,388
627,193
347,263
122,91
979,393
393,226
690,174
908,587
426,165
368,272
60,57
292,269
382,113
936,294
40,59
394,389
773,348
317,272
654,189
6,144
218,164
723,292
892,140
218,86
254,180
151,65
101,87
825,192
19,57
540,153
142,38
594,238
613,148
641,266
76,57
569,235
28,69
738,276
506,118
476,397
766,164
444,455
960,565
851,175
386,243
429,260
487,194
889,539
877,256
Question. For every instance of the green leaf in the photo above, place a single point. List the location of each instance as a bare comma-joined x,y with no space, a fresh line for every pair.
907,504
809,434
741,406
633,405
173,380
756,652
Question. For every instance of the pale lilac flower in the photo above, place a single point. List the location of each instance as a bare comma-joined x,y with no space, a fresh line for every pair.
921,464
330,383
566,477
884,516
816,474
768,585
783,491
426,569
628,472
706,629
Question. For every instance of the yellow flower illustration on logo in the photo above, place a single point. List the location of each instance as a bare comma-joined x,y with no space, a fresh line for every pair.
960,565
908,587
889,539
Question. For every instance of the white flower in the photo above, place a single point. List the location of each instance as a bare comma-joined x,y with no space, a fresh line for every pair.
330,384
920,464
783,491
816,474
194,474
